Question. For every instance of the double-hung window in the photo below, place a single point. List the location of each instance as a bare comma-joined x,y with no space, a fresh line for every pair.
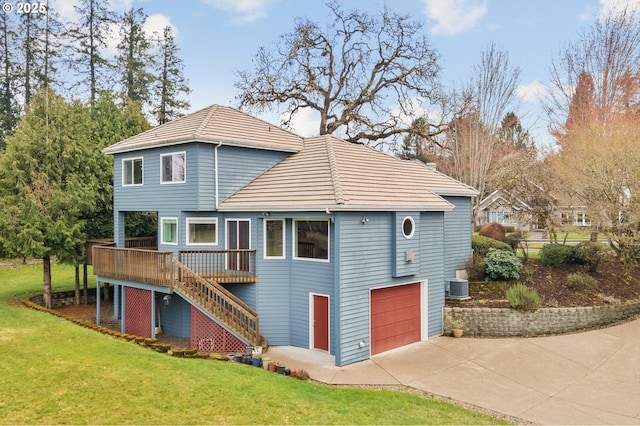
132,171
173,168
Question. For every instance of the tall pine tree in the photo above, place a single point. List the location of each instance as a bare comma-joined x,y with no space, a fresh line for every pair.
134,57
171,83
90,34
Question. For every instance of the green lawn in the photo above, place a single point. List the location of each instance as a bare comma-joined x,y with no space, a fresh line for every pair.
54,371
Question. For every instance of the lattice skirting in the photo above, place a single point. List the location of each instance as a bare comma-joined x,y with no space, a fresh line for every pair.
137,312
208,336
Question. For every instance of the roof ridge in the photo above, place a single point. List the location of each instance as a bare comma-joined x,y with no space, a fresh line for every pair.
203,124
333,168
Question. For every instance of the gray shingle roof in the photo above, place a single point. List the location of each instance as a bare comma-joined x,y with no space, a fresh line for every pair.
213,124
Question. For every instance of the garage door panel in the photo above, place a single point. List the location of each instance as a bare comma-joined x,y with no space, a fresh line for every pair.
395,317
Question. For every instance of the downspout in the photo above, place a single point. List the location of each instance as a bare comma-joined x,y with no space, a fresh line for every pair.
216,170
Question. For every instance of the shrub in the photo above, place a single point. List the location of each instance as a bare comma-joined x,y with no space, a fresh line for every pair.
481,245
475,267
493,230
522,297
502,265
514,239
555,254
587,253
581,281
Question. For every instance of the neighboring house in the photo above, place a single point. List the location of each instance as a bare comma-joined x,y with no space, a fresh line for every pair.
316,243
503,208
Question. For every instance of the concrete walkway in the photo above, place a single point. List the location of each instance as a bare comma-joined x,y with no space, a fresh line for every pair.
584,378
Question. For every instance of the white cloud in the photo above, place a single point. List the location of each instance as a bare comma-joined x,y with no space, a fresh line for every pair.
531,92
609,6
244,11
305,123
454,16
156,23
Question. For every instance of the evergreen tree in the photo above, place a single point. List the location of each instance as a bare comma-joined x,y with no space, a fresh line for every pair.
133,57
90,36
48,183
9,109
171,82
111,123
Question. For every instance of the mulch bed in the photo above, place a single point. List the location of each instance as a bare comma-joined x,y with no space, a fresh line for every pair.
614,285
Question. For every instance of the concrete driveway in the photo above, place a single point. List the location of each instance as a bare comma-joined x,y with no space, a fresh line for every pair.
583,378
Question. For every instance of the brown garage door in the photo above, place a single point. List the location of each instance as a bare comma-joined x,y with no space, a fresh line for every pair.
395,317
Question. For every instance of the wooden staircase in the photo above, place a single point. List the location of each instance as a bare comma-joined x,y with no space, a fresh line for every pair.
163,269
219,302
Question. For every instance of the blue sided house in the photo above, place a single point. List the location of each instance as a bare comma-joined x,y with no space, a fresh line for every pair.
265,236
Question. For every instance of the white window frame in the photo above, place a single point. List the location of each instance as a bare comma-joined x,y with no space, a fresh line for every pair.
295,240
132,160
413,227
162,240
172,181
202,220
284,238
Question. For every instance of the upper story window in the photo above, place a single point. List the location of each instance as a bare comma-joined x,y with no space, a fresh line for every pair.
311,239
274,239
173,168
202,231
132,171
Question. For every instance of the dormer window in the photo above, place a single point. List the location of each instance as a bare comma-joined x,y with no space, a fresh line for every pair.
173,168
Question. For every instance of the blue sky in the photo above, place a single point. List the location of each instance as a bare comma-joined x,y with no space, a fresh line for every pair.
219,37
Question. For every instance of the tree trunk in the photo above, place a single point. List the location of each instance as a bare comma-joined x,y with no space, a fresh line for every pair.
77,286
85,285
46,280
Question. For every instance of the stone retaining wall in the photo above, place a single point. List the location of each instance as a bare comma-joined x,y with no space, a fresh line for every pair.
508,322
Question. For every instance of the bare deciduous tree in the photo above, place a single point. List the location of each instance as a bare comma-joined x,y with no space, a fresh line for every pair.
363,74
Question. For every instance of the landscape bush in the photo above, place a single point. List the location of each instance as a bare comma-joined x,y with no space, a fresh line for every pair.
481,245
514,239
522,297
475,267
555,254
587,253
502,265
493,230
581,281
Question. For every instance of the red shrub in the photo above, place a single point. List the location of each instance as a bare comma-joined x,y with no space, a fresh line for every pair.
493,230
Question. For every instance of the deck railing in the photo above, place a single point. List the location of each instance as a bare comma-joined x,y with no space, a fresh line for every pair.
224,266
219,302
142,266
162,269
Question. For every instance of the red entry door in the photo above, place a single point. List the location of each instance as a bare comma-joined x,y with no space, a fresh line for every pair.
321,322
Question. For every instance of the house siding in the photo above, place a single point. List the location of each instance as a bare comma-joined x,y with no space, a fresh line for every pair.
239,166
457,238
432,265
236,168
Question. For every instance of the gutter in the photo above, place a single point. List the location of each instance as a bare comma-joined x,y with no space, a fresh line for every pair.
215,165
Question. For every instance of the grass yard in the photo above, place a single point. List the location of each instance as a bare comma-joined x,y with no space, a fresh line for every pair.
55,372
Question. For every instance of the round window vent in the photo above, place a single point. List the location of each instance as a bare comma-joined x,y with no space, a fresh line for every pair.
408,227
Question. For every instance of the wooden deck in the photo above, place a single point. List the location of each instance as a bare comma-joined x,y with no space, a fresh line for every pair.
199,282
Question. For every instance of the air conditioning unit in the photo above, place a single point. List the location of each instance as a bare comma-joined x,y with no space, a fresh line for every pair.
456,288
